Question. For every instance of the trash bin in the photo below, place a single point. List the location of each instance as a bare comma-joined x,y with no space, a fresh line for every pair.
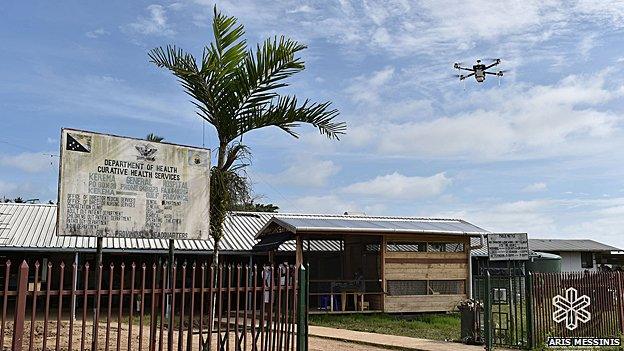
470,311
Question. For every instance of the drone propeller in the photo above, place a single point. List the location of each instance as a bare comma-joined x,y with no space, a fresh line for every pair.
492,59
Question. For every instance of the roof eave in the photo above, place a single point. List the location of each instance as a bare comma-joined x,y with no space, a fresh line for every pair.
298,230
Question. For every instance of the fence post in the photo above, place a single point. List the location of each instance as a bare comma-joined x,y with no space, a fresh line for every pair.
302,310
488,312
620,299
528,286
20,308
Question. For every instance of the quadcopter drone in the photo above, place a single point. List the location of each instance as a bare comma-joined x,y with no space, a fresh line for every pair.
479,71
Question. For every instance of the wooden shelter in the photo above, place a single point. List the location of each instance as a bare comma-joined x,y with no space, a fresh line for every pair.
365,264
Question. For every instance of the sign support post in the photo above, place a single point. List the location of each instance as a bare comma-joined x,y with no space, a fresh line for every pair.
98,272
171,278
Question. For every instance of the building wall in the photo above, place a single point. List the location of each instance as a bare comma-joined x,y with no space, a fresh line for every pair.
424,281
571,262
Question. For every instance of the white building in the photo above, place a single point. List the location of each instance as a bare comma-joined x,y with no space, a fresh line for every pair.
576,254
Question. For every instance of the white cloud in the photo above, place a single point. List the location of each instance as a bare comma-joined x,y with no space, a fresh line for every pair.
587,43
96,33
519,121
307,171
582,218
535,187
155,23
31,162
398,186
330,204
368,88
519,216
426,27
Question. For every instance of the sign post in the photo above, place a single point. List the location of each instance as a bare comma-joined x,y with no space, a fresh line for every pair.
111,186
512,248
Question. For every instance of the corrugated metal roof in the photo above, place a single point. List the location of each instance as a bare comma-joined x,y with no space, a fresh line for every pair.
481,252
362,224
569,245
33,226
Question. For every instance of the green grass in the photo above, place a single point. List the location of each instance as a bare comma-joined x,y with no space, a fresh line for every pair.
426,326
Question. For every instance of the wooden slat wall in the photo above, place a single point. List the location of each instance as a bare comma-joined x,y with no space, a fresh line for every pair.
428,303
412,271
424,266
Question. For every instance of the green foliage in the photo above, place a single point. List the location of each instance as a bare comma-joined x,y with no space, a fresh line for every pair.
235,89
255,207
426,326
153,137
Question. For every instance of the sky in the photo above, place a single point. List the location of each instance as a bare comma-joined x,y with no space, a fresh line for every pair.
538,151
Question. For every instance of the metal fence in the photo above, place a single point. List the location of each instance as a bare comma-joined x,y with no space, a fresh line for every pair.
505,300
149,307
604,292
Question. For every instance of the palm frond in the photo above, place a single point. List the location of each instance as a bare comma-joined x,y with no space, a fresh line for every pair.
154,138
285,114
237,157
265,72
229,48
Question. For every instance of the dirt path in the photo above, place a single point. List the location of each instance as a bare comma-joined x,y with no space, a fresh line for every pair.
49,330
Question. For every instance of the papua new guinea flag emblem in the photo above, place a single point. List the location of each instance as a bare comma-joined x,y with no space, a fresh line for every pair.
77,142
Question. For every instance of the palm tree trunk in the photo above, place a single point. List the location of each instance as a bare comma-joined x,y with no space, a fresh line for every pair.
215,250
215,253
217,236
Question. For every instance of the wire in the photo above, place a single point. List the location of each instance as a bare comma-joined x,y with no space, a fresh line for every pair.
26,148
290,203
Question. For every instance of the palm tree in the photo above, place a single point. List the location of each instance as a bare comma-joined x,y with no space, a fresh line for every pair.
154,138
235,89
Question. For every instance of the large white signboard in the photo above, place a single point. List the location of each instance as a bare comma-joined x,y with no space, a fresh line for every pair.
508,246
111,186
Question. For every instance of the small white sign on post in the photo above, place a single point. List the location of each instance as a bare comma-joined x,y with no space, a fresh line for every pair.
508,247
118,187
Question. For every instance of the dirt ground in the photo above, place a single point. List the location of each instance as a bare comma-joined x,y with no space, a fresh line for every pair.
117,340
318,344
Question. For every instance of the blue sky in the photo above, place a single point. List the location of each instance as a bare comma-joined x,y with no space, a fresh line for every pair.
539,153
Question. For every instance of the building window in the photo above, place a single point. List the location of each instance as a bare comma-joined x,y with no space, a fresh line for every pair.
454,247
436,247
587,260
373,247
407,287
446,287
407,247
423,287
